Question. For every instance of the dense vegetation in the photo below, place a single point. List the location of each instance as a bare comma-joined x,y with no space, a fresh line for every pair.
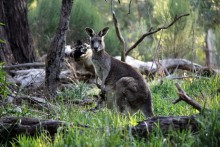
186,39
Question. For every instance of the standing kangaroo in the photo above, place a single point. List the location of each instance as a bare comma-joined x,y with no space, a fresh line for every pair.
125,88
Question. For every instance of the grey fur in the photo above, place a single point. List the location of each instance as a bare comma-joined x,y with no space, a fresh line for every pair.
125,88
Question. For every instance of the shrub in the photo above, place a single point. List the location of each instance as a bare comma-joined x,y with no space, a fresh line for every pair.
84,14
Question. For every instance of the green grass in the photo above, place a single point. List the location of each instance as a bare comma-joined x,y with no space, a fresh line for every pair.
107,127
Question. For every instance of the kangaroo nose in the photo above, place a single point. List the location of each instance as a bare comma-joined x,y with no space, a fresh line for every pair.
95,45
95,48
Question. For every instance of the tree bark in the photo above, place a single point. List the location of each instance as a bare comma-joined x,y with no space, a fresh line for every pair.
5,48
18,31
55,54
210,49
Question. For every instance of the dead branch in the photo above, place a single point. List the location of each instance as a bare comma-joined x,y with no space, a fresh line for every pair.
153,32
119,35
36,102
25,65
183,96
84,102
129,8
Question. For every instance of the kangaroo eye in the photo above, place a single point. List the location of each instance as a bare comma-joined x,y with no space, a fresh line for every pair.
100,41
92,41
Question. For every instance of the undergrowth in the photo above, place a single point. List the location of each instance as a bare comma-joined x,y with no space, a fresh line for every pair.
107,127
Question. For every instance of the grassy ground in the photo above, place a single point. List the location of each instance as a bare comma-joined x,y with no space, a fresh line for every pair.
107,126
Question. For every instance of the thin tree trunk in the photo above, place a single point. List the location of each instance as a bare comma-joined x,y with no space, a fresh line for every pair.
210,49
55,54
18,30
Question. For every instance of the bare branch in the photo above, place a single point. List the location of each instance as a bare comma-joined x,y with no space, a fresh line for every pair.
119,35
129,11
153,32
183,96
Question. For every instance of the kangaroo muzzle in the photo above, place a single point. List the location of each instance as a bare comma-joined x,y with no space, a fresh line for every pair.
96,46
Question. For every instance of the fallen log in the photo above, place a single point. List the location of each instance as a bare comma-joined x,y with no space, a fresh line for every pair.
164,125
11,127
151,68
35,78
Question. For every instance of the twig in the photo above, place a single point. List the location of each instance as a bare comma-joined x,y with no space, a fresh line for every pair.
41,102
153,32
80,102
119,35
183,96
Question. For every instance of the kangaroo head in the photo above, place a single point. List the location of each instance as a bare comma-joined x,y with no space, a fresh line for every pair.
97,39
80,50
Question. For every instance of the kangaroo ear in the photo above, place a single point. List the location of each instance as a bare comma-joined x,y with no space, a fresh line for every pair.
90,32
103,32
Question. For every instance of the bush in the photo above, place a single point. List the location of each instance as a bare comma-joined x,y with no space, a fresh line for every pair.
84,14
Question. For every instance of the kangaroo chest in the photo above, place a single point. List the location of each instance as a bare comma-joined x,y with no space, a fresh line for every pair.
101,65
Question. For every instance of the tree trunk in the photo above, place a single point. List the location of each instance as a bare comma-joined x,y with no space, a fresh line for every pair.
210,49
55,54
5,48
18,31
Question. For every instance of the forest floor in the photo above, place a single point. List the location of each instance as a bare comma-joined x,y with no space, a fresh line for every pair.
107,127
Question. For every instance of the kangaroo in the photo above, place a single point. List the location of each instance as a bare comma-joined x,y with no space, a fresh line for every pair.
124,87
82,54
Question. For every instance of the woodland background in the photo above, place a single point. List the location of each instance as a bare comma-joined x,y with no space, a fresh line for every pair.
186,39
28,118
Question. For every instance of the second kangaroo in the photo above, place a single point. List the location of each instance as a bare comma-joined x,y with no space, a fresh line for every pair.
125,88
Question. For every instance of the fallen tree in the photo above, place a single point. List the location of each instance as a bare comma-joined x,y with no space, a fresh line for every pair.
35,78
11,127
166,65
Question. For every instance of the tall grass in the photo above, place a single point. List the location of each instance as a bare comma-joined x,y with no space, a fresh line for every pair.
108,128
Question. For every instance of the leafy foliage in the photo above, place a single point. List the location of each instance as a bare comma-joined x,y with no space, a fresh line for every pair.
84,14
